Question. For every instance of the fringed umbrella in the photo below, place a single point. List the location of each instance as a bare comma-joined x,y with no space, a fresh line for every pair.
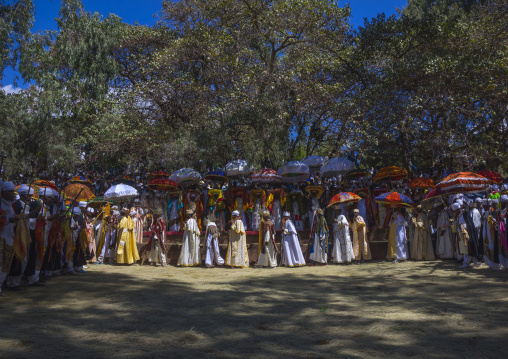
157,174
216,176
491,175
266,175
395,199
72,190
98,202
47,184
357,173
392,173
461,182
434,194
238,168
337,166
126,180
315,162
81,179
185,177
344,197
162,184
120,192
295,171
421,182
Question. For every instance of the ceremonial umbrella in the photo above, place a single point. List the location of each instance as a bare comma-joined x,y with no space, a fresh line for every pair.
238,168
395,199
337,166
434,194
162,184
266,175
120,192
98,202
72,190
81,179
295,171
491,175
421,182
357,173
217,175
344,197
157,174
45,183
185,177
392,173
463,182
315,161
126,180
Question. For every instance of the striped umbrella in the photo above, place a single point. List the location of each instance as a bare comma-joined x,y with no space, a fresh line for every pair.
434,194
491,175
45,183
357,173
344,197
392,173
395,199
421,182
157,174
463,182
266,175
162,184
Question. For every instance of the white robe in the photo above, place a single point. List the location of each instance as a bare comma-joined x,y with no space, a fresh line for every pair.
277,215
269,258
318,252
174,216
256,215
212,250
444,244
291,251
342,246
190,253
400,237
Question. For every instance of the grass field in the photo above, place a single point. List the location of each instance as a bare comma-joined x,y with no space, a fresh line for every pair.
378,309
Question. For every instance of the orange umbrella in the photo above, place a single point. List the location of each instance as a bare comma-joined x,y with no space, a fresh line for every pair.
421,182
344,197
72,190
391,173
47,184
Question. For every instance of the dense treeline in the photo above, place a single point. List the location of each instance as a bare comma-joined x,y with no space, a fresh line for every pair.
425,88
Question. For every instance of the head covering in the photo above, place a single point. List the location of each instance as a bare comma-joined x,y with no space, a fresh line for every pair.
116,213
455,206
266,214
320,212
494,200
189,211
356,210
8,186
76,210
114,207
23,189
235,213
478,200
91,210
495,187
55,193
504,198
43,191
82,204
419,206
286,214
133,213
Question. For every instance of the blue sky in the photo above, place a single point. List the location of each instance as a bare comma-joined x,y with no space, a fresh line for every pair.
143,11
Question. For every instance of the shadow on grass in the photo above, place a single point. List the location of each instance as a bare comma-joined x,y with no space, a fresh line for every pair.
380,313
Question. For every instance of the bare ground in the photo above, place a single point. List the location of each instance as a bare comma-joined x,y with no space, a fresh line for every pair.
378,309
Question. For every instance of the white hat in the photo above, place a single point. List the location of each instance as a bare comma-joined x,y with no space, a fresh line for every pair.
495,187
76,210
504,198
45,191
8,186
485,202
133,213
478,200
91,210
455,206
82,204
286,214
116,213
494,200
211,224
235,213
23,189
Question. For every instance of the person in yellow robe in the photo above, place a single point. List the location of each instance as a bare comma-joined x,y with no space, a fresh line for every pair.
422,242
361,245
127,251
237,255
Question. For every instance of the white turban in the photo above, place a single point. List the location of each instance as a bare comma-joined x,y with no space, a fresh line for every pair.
478,200
495,187
235,213
494,200
8,186
286,214
504,198
455,206
211,224
23,189
91,210
82,204
133,213
45,191
76,210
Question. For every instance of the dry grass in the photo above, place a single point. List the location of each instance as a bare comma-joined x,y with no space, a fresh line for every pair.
426,309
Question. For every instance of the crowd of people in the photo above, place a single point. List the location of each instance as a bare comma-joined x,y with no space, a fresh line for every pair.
43,234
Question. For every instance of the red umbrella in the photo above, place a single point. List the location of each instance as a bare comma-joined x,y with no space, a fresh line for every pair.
47,184
344,197
421,182
463,182
395,199
491,175
266,175
391,173
157,174
162,184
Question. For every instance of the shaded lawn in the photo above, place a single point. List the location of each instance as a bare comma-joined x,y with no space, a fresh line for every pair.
378,309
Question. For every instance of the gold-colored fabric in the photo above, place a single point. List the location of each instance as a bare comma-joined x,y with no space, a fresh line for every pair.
392,244
6,255
127,251
237,255
422,242
361,245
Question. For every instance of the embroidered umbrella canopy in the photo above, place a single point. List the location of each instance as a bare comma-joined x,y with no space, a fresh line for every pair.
266,175
72,190
162,184
45,183
157,174
238,168
344,197
434,194
421,182
125,180
392,173
357,173
185,177
295,171
337,166
98,202
460,182
491,175
120,192
81,179
315,161
216,176
395,199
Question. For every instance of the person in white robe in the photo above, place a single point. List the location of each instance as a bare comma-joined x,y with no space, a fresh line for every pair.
319,235
291,251
342,246
267,250
212,254
397,239
237,255
444,244
190,255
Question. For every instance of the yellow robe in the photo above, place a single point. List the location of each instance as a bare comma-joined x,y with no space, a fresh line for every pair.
127,251
422,242
237,255
361,246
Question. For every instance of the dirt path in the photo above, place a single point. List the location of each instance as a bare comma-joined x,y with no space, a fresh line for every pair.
426,309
